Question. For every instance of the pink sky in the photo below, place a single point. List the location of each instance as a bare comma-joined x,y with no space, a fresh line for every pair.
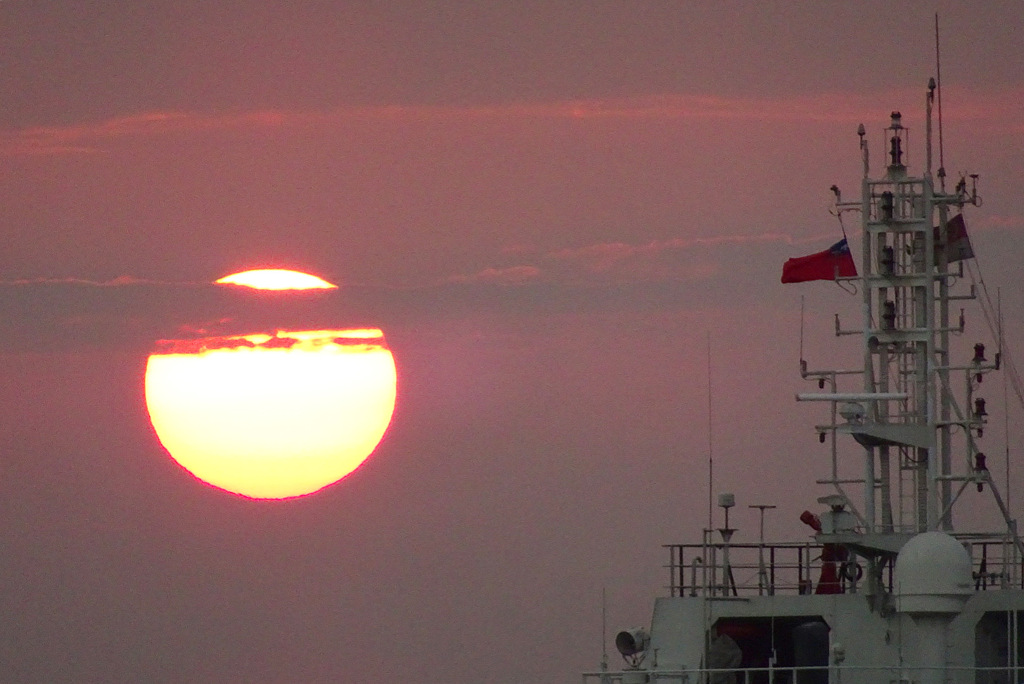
550,208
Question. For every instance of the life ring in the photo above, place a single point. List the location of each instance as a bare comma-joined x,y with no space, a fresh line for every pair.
852,572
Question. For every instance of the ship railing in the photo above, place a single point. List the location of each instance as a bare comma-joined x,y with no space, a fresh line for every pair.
638,676
803,567
756,569
752,675
813,674
995,561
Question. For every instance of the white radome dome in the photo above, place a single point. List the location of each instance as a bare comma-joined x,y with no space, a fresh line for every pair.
933,574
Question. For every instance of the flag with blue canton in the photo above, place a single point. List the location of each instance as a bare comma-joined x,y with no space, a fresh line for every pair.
830,264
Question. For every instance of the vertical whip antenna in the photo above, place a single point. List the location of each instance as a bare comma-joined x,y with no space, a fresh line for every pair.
938,85
711,458
1006,401
801,328
604,629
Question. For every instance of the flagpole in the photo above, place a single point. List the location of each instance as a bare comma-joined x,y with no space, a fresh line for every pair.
801,329
938,87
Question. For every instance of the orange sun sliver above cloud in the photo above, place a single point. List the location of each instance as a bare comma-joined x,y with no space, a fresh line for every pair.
276,279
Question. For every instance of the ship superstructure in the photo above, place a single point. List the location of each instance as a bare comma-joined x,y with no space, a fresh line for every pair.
895,585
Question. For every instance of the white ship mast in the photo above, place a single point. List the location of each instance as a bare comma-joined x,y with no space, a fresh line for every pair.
920,442
889,590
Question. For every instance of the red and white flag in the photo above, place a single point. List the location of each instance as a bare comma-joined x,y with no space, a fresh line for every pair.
830,264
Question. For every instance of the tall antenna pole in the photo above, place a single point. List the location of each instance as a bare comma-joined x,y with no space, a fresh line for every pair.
801,327
938,82
711,458
1006,403
604,630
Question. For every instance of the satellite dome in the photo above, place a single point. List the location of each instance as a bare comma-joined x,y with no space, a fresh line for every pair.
933,574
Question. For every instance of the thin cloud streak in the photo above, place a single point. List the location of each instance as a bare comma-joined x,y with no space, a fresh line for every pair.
119,281
132,312
648,261
509,275
998,222
995,111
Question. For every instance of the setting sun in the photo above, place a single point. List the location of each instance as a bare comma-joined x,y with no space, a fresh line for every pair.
272,416
276,279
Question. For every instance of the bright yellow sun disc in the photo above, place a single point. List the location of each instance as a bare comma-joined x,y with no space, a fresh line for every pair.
272,417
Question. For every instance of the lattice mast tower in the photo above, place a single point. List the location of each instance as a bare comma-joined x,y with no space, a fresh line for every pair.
907,413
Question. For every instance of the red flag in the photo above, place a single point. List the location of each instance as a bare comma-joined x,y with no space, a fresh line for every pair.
958,245
830,264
